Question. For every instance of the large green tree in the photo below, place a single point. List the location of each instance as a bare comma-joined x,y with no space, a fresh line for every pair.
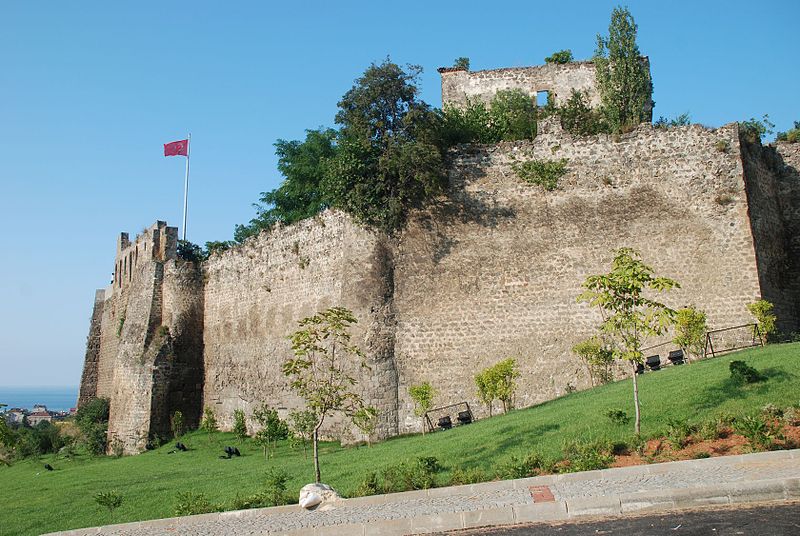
623,77
630,313
389,157
300,195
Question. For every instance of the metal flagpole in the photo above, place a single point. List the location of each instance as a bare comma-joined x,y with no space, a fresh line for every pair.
186,183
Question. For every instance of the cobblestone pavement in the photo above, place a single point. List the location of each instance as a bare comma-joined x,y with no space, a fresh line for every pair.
676,475
714,471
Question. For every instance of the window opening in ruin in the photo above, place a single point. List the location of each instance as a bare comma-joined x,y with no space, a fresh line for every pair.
542,97
130,266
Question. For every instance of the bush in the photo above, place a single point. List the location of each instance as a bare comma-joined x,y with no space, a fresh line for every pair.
579,118
109,499
690,331
369,486
472,475
678,433
791,416
513,115
189,251
791,136
679,121
92,421
44,438
410,475
190,503
275,487
771,411
587,456
617,416
209,422
712,429
239,425
560,57
742,373
470,124
544,173
754,130
461,63
176,424
759,432
762,312
597,358
515,467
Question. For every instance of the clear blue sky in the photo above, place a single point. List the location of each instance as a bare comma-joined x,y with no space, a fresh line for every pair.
90,91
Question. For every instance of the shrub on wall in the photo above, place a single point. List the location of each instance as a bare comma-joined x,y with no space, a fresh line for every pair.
579,118
544,173
791,136
513,115
560,57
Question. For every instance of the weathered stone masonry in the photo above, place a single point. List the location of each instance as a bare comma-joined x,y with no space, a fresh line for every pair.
490,271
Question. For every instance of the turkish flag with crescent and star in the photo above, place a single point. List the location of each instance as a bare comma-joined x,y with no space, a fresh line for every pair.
177,148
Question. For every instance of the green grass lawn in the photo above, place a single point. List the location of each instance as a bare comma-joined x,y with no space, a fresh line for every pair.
34,500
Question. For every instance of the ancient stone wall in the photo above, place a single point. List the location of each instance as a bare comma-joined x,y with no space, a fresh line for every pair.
559,80
491,271
256,293
773,182
89,378
495,272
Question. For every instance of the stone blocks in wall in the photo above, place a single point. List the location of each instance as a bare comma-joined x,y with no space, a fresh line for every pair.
490,271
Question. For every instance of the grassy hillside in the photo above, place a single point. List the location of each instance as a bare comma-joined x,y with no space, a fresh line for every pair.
35,500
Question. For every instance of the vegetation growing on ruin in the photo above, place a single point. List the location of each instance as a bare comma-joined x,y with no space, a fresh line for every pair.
461,63
703,396
623,78
753,130
681,120
560,57
792,135
544,173
579,118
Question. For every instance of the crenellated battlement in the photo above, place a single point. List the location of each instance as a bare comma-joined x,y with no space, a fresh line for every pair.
158,242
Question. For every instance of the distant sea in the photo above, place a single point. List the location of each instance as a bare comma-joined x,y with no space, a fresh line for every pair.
55,398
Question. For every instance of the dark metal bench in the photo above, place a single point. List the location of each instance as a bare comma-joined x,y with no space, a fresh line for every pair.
676,357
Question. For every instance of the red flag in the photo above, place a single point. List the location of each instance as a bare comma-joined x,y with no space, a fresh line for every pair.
177,148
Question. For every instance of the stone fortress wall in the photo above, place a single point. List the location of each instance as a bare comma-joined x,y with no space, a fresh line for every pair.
491,271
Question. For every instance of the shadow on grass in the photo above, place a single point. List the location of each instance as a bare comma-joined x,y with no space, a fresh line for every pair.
728,389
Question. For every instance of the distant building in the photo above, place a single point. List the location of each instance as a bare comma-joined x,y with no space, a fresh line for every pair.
15,415
38,416
38,408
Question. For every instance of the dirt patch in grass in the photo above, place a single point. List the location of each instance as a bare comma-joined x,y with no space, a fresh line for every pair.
729,444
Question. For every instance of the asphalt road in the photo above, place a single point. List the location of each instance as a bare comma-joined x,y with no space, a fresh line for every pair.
769,520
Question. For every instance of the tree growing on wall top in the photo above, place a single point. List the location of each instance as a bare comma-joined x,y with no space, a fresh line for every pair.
630,314
323,368
561,57
623,78
301,194
461,63
389,157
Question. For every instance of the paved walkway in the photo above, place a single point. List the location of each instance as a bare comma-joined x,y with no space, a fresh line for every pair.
726,480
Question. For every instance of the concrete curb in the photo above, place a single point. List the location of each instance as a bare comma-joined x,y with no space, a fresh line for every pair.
729,493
